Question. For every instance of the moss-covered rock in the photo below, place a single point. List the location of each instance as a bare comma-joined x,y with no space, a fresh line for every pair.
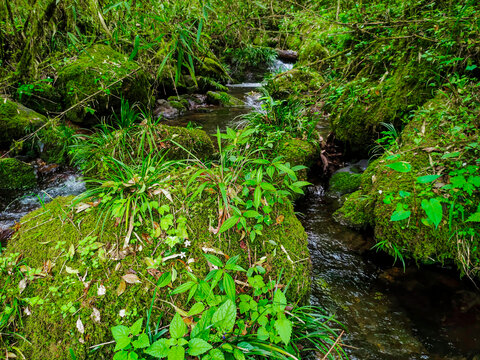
312,50
298,81
16,175
77,262
299,152
344,182
424,217
222,98
104,73
16,121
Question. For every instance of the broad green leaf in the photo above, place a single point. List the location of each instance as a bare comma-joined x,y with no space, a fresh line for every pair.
279,301
262,333
224,318
229,223
434,210
159,349
122,355
183,288
141,342
198,347
229,286
400,213
216,354
267,186
136,328
474,217
427,178
251,214
257,197
121,335
400,166
178,328
176,353
196,309
165,279
238,355
132,356
284,328
450,155
212,259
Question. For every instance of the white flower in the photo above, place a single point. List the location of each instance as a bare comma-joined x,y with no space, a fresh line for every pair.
187,243
122,313
380,191
182,255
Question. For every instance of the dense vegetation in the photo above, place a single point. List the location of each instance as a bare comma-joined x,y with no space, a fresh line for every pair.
184,246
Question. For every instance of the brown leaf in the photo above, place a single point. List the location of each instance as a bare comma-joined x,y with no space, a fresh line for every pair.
280,219
131,279
121,287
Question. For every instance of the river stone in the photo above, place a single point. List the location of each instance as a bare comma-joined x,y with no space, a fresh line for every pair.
16,121
16,175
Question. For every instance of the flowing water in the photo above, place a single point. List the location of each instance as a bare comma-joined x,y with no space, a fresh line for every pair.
388,313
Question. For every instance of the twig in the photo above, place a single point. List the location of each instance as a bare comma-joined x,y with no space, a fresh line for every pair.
334,344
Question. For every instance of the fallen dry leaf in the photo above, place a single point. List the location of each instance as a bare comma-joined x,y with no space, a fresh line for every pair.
96,315
131,279
121,287
80,327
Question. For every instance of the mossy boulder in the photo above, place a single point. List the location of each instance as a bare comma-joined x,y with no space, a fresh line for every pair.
299,152
222,98
16,121
16,175
415,196
344,182
80,271
295,82
107,75
312,50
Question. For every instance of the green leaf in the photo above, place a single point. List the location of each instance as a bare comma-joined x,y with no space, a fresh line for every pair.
216,354
224,318
400,166
238,355
251,214
400,213
196,309
122,355
229,286
176,353
165,279
427,178
141,342
474,217
279,301
183,288
159,349
121,335
257,197
267,187
178,328
212,259
132,356
262,333
229,223
198,346
434,210
136,327
284,328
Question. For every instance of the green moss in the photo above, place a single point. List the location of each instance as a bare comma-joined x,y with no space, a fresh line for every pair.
100,69
433,131
295,83
16,175
299,152
54,234
16,121
344,183
312,50
223,99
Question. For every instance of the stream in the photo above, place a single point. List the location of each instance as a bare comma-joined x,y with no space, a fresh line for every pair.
388,313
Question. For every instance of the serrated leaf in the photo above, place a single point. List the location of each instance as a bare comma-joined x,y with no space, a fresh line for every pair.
474,217
177,329
136,328
158,349
279,301
284,329
238,355
176,353
225,316
142,342
197,347
216,354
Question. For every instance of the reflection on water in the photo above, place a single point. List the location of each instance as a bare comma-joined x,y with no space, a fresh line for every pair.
388,313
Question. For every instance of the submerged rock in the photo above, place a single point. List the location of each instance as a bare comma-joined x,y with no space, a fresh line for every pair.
222,98
16,175
343,182
16,121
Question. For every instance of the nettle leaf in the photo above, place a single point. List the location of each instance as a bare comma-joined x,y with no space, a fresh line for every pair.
136,327
400,166
122,355
216,354
198,346
132,356
178,328
434,210
176,353
400,213
224,318
141,342
284,328
262,333
121,335
159,349
427,178
279,301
